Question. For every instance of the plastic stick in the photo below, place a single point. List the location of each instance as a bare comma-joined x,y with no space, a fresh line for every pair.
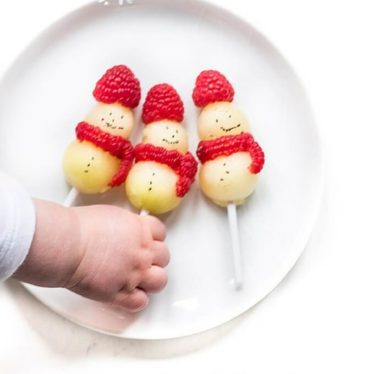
71,197
235,245
144,212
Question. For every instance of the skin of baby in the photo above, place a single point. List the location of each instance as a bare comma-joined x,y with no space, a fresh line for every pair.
101,252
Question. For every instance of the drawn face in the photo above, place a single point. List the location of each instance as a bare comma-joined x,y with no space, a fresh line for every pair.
152,186
220,119
112,118
167,134
228,179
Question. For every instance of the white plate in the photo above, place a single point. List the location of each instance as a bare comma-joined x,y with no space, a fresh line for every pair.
48,90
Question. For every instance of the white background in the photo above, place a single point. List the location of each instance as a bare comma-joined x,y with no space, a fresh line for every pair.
320,319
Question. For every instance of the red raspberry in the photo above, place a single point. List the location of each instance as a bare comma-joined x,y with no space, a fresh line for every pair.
258,158
212,86
230,144
185,166
162,102
118,85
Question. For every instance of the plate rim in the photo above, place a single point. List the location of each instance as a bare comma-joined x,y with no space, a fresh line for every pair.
307,230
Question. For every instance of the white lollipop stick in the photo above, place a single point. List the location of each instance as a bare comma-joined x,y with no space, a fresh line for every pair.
144,212
71,197
235,245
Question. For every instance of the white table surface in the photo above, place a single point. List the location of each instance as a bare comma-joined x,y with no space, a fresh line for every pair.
320,319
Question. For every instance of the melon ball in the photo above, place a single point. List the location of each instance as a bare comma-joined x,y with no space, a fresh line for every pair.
167,134
228,179
220,119
114,119
88,168
152,186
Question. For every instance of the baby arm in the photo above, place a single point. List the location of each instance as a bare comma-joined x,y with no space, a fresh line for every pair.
101,252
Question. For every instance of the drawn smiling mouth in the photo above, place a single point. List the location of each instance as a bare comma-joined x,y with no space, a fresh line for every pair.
170,143
230,128
112,126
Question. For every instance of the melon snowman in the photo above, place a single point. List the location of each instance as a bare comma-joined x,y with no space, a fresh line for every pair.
164,170
101,156
231,159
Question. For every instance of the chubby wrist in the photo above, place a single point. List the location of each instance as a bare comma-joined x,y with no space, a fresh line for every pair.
56,251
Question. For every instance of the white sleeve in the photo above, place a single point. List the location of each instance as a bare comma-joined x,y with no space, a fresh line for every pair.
17,225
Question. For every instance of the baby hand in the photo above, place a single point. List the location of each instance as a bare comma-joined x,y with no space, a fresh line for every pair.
123,256
101,252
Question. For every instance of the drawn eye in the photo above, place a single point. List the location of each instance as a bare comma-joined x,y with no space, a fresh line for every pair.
102,119
177,132
167,127
122,117
110,114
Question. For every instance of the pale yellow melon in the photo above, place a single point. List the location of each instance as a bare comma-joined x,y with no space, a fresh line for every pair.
114,119
167,134
152,186
228,179
220,119
88,168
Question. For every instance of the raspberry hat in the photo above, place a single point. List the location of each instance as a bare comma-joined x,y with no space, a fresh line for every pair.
162,102
212,86
118,85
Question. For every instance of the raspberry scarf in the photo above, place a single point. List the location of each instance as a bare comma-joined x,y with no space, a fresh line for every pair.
185,166
116,145
229,144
